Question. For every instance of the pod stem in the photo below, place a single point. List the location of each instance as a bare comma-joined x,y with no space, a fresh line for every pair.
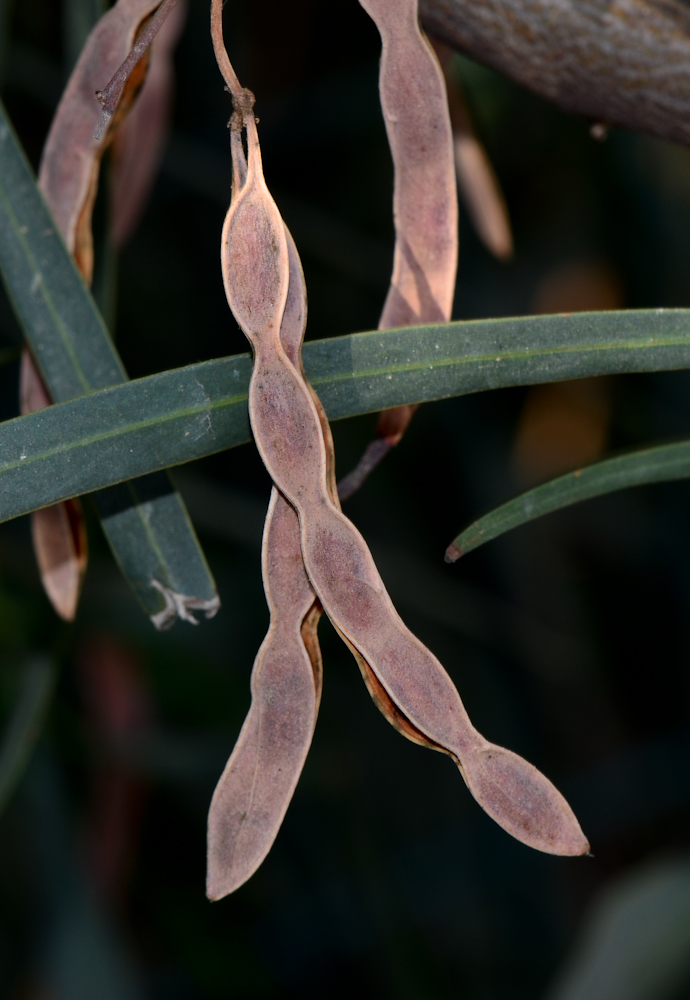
111,94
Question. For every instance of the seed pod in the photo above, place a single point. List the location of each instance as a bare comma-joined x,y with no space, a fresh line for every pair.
288,433
68,176
139,143
425,210
258,782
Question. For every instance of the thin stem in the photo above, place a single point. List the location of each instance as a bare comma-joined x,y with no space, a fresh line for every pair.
113,91
224,65
242,99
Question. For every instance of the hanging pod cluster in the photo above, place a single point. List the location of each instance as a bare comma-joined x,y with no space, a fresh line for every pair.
313,556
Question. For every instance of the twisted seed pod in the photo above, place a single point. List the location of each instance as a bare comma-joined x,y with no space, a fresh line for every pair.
255,789
425,209
342,572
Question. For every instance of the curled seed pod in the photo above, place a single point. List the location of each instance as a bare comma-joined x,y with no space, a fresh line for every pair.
68,176
139,143
341,570
425,210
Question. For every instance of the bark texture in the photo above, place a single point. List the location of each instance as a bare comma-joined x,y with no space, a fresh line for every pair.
621,62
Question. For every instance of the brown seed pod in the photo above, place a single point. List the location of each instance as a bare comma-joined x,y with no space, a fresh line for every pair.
425,210
287,430
258,782
68,178
139,143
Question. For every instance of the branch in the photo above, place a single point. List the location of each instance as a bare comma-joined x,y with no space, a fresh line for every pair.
625,63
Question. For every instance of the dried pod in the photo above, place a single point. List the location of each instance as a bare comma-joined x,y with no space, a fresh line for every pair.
68,176
258,782
255,789
425,211
139,142
287,430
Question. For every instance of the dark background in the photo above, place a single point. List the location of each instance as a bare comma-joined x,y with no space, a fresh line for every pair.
568,639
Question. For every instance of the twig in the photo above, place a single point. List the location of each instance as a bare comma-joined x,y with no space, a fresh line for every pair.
110,96
617,64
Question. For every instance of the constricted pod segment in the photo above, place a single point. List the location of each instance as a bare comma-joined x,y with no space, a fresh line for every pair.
256,787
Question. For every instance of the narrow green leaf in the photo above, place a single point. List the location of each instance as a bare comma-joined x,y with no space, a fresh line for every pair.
152,423
649,465
367,372
25,723
147,527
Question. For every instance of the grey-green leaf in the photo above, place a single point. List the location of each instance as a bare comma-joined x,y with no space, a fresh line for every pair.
149,424
146,524
649,465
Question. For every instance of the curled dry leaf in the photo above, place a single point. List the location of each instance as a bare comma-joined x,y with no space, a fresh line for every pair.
425,211
407,681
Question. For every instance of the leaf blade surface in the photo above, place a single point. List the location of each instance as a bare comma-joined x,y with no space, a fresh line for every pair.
145,425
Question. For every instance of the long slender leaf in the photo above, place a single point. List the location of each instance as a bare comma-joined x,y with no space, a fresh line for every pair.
152,423
24,725
146,523
649,465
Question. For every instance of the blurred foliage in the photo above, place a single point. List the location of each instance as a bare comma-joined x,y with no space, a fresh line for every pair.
567,638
